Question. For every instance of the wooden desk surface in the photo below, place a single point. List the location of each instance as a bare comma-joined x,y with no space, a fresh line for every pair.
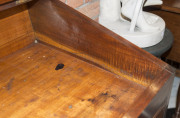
31,87
135,85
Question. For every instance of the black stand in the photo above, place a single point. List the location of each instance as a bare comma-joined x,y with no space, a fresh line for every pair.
163,46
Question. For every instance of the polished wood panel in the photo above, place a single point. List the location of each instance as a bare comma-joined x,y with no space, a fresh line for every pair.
31,87
172,20
171,9
59,25
12,4
16,44
172,3
170,12
16,30
5,1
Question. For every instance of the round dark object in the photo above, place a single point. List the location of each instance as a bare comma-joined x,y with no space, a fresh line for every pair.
59,66
163,46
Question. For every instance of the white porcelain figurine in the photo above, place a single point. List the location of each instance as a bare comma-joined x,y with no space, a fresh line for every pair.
127,18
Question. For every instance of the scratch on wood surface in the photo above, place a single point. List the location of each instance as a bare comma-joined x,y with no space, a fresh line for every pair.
102,97
33,99
9,84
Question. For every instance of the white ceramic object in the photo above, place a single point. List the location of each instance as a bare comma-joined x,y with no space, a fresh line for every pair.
144,30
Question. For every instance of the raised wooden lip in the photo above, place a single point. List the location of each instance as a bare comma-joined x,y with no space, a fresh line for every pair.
171,9
5,1
11,3
114,41
51,11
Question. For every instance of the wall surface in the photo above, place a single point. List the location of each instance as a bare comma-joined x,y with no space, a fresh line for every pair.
89,8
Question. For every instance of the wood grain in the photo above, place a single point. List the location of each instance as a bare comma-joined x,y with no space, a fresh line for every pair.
172,23
159,104
31,87
16,30
104,75
172,3
63,27
5,1
16,44
171,9
12,4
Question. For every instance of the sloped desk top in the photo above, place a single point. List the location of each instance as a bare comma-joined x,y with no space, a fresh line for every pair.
104,75
30,86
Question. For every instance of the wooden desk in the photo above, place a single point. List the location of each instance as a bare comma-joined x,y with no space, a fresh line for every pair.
104,75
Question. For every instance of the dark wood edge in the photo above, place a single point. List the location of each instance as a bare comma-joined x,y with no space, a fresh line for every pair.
156,87
12,4
170,9
162,8
5,1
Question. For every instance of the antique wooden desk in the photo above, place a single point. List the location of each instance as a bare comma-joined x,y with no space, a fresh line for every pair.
104,76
